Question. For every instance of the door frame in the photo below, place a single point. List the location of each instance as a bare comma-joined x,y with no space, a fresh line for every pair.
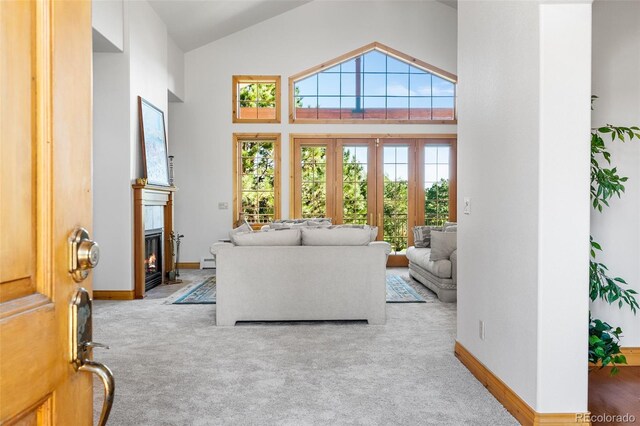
370,143
412,190
295,175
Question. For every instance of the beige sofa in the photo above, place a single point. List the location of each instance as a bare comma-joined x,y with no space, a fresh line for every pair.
316,278
439,276
434,263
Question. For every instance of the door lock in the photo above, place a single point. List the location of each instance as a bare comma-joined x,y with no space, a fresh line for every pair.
82,346
84,254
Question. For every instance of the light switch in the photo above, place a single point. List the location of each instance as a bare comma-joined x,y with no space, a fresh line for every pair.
467,205
223,205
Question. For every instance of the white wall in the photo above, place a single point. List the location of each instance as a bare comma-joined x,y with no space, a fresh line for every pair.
108,28
511,66
112,200
149,75
201,128
175,69
616,80
119,78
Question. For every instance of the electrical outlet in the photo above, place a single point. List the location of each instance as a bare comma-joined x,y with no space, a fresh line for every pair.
481,330
223,205
467,205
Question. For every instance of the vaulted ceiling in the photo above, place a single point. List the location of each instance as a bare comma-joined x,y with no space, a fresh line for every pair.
194,23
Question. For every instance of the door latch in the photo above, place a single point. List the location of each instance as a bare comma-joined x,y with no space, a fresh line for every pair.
82,347
84,254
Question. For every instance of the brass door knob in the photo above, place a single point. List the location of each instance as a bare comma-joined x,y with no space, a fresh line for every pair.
84,254
88,254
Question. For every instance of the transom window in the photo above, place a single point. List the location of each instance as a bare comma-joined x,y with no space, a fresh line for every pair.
256,178
375,83
256,99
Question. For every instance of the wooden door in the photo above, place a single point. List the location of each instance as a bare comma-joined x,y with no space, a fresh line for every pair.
437,181
313,178
45,192
397,185
356,181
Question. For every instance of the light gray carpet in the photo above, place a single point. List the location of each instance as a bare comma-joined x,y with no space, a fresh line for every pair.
174,367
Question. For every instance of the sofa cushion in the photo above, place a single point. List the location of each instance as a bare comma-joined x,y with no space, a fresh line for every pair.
286,237
442,245
422,235
385,245
420,257
216,247
372,229
335,237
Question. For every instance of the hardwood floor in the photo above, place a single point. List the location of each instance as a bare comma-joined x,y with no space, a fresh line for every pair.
615,396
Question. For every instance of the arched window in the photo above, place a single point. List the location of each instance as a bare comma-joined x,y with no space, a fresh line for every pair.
373,84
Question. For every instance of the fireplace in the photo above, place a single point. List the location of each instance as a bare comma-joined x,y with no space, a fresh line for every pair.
152,258
152,214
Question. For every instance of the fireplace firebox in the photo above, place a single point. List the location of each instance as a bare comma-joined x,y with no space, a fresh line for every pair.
152,258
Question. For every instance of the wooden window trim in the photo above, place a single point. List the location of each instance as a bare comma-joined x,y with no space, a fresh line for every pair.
236,79
357,52
238,138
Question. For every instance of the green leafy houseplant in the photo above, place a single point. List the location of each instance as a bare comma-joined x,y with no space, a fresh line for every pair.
604,347
604,344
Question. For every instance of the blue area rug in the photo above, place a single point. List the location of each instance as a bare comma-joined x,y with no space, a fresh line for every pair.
204,293
399,291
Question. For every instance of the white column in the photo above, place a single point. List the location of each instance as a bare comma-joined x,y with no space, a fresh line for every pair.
523,159
563,221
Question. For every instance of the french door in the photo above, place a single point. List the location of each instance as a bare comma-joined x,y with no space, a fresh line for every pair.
393,183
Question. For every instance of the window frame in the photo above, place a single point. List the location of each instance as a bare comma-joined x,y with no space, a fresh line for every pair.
238,139
361,51
238,79
334,142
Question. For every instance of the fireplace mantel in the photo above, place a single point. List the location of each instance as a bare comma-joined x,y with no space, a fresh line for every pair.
150,195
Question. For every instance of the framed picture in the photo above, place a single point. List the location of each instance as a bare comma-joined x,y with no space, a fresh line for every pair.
154,144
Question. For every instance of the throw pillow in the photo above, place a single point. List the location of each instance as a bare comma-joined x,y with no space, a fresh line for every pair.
280,225
242,228
285,237
374,233
422,235
319,223
451,228
442,245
